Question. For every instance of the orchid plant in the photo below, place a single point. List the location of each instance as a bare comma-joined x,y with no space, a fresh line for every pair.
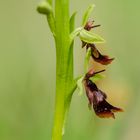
64,32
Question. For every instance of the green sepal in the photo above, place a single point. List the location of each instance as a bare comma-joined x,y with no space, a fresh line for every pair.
97,77
87,14
75,33
90,37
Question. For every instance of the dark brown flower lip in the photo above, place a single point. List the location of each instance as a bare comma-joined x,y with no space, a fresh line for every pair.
98,57
97,98
106,110
103,59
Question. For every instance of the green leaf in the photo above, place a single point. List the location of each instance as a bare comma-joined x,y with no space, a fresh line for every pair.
87,14
72,21
80,85
90,37
97,77
70,59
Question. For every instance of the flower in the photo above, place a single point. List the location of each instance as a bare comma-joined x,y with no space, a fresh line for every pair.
98,57
89,25
97,98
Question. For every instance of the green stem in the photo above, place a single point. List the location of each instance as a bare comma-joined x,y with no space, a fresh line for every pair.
64,74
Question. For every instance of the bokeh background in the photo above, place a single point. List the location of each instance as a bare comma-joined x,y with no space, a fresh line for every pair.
27,72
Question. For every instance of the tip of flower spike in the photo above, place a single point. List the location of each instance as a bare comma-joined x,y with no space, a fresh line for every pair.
44,8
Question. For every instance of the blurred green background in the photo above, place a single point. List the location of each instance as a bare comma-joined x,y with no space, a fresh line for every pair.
27,72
